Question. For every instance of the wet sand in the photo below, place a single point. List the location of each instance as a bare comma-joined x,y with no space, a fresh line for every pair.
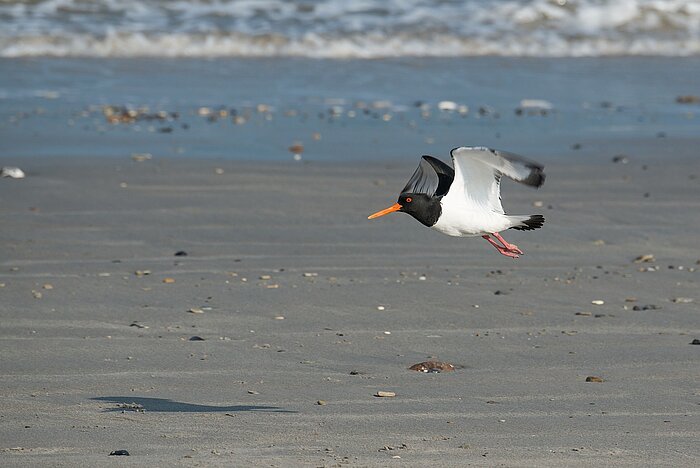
300,300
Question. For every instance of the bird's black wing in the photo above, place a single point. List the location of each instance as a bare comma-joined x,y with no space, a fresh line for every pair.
432,177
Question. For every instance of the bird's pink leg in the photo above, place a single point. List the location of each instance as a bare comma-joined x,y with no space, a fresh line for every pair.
510,247
502,250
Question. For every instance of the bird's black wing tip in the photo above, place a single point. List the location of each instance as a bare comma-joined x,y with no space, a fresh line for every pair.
535,222
536,177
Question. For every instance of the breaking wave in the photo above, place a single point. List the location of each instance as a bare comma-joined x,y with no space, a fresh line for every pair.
348,29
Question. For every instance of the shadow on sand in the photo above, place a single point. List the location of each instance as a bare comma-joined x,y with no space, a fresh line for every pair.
163,405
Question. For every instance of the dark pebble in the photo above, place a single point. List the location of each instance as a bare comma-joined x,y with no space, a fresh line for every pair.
620,159
124,453
695,341
646,307
196,338
181,253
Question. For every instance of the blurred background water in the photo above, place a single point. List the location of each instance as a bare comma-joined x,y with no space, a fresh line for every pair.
345,80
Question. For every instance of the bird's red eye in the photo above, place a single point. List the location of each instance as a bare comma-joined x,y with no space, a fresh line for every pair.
409,200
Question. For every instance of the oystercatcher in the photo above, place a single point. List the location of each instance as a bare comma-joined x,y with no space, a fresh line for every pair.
466,201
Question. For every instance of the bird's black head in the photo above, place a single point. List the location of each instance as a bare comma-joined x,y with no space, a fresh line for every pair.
424,208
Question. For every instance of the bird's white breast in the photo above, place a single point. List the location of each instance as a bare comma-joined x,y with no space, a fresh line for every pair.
461,217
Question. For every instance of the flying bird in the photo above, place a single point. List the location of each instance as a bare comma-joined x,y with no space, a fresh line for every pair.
466,201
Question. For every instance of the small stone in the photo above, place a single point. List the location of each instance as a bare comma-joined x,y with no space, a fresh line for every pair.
310,275
620,159
168,280
598,302
181,253
646,258
195,310
321,403
48,286
253,392
695,342
37,294
383,394
688,99
538,204
296,148
381,308
196,338
584,314
279,317
119,453
592,378
142,272
265,277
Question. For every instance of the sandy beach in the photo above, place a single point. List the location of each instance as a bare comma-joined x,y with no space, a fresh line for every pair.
265,344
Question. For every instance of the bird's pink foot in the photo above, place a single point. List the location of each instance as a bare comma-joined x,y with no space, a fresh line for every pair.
510,247
509,250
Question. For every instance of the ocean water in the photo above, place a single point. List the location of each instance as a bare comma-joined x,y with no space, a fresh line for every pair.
348,29
346,110
346,80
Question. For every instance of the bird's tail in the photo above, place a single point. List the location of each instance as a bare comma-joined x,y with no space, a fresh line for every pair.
527,223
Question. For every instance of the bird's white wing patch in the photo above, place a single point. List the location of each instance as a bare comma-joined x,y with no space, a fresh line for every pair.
510,165
478,181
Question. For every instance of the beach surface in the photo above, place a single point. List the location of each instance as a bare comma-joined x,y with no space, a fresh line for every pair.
264,341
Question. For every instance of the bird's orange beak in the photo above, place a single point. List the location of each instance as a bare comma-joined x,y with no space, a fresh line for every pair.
391,209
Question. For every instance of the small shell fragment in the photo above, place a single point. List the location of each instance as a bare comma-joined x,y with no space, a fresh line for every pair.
646,258
592,378
195,310
432,367
447,106
384,394
168,280
598,302
141,157
682,300
12,172
536,104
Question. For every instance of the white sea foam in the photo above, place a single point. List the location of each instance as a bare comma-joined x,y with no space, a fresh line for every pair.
348,29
